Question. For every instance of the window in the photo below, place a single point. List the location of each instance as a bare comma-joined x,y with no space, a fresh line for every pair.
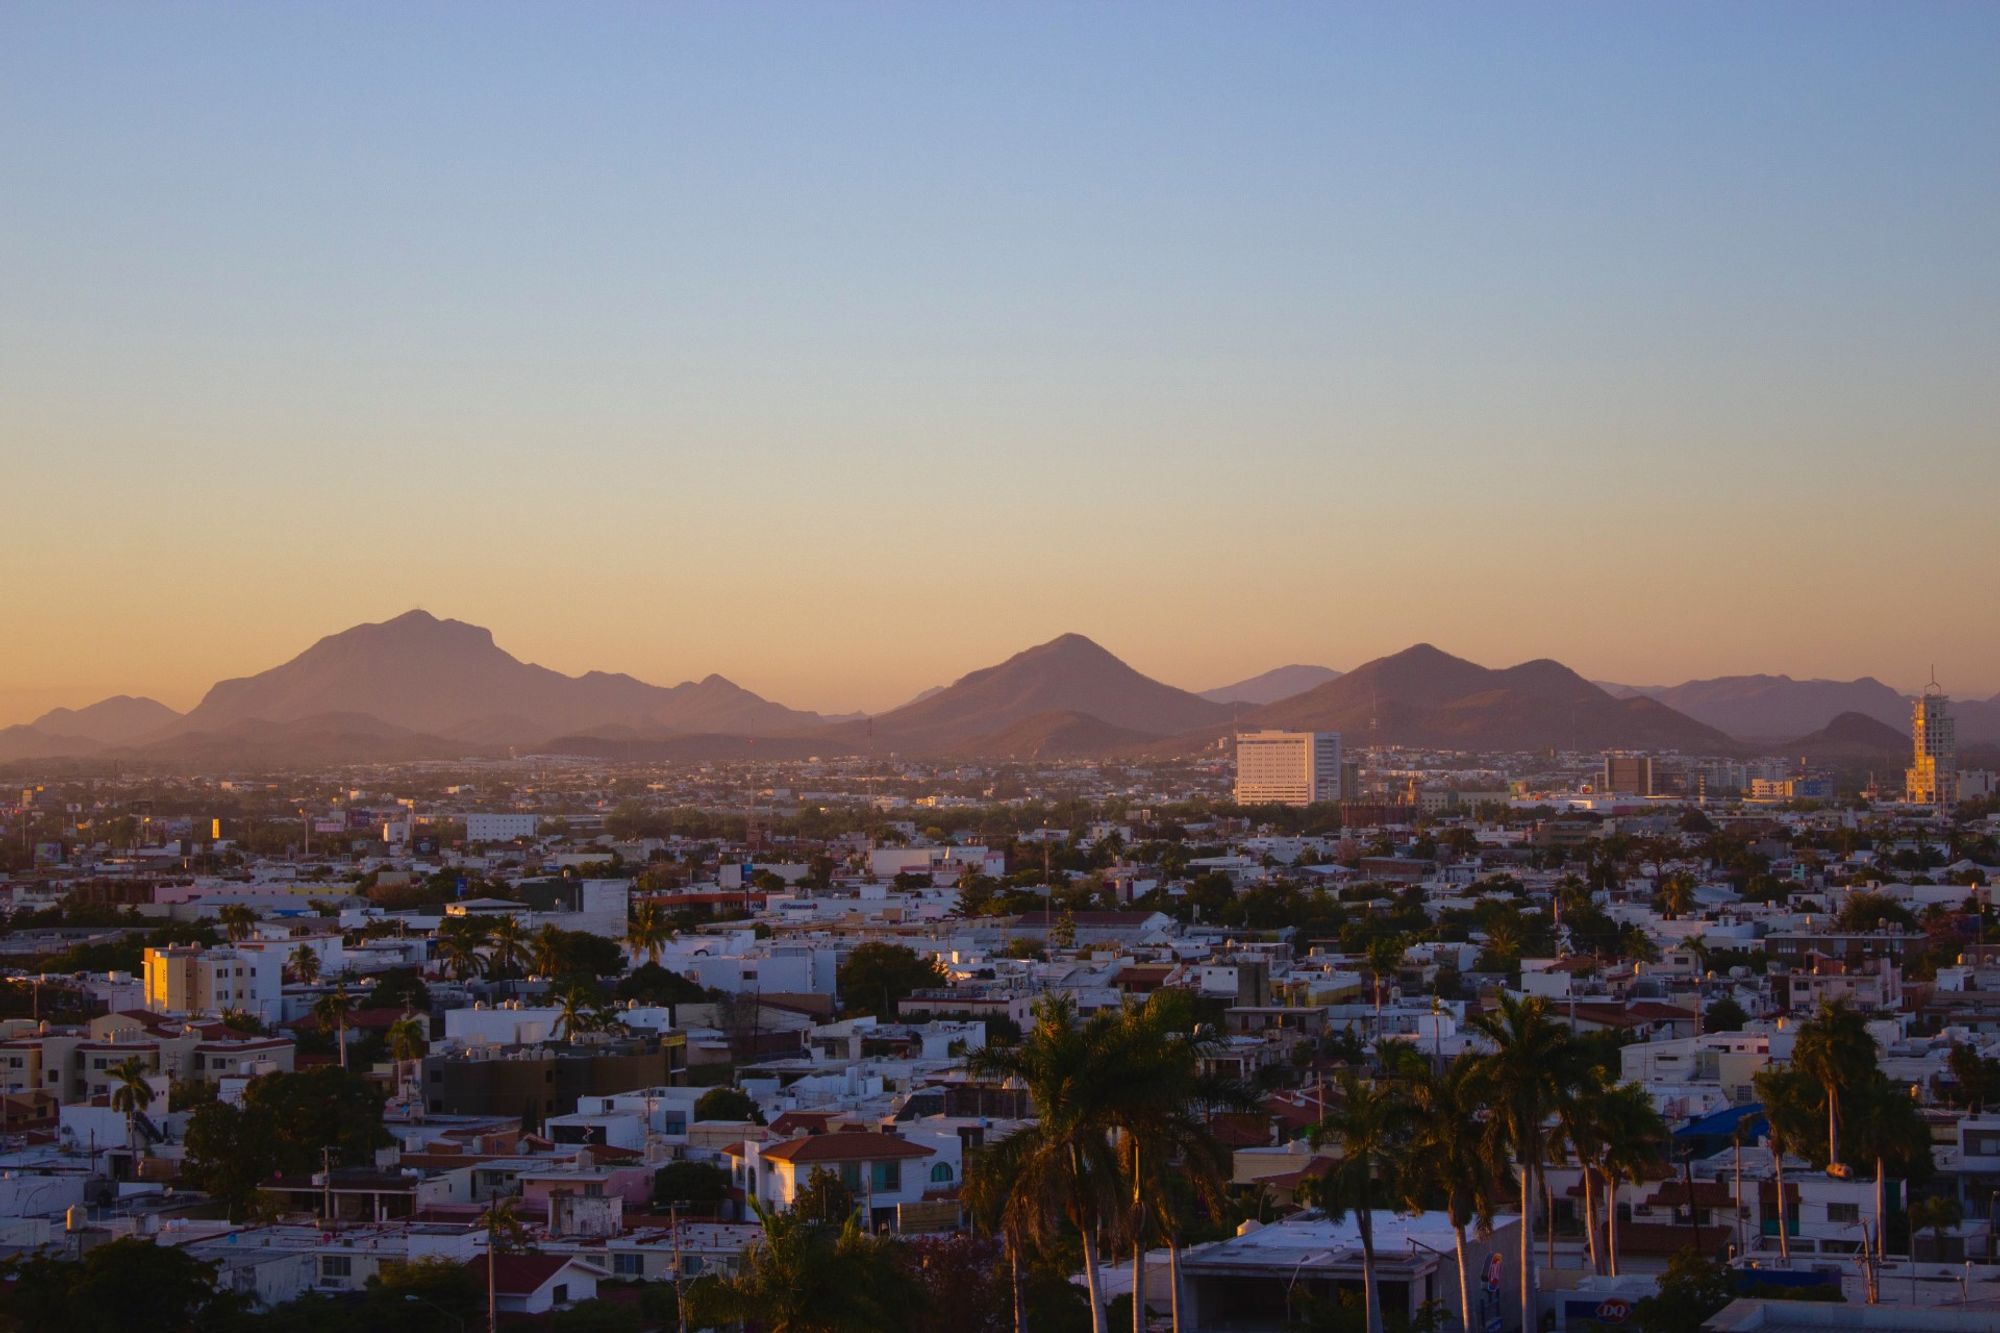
691,1265
941,1174
1843,1212
885,1175
850,1175
628,1265
561,1293
335,1266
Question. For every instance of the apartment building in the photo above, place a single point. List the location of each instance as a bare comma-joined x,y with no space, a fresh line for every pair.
1287,767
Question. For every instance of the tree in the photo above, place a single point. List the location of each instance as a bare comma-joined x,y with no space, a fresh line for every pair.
1161,1124
507,948
1725,1015
1447,1158
1937,1214
876,976
122,1284
1884,1124
1872,911
698,1186
649,932
1632,1139
1385,960
1369,1121
133,1094
803,1276
1676,895
407,1045
824,1198
1834,1049
1789,1097
458,942
237,922
727,1104
305,964
1062,1163
649,983
1692,1290
1523,1080
331,1010
399,988
281,1126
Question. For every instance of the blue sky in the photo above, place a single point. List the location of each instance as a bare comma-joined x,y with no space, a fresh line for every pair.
843,348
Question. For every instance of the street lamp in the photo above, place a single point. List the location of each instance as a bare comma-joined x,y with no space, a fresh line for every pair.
1328,1254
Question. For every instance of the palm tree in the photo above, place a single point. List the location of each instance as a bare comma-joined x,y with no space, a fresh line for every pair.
237,922
1385,960
1884,1123
1446,1156
331,1010
133,1094
1370,1121
507,946
407,1044
504,1231
1632,1136
1065,1169
1789,1097
1523,1081
1580,1131
575,1012
1676,895
458,941
305,964
1162,1127
649,931
987,1193
547,950
1833,1048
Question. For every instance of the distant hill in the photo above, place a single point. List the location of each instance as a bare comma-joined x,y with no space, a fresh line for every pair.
1425,697
120,720
1067,675
1769,707
447,678
1978,720
81,732
1852,738
1277,683
1055,736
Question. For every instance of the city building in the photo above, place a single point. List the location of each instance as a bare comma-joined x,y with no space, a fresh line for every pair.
1628,774
1287,767
189,979
1933,774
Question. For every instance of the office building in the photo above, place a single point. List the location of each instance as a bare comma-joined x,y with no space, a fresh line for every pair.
1628,774
1287,767
1933,774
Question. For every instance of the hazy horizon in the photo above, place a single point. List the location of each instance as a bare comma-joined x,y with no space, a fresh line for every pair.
18,705
844,351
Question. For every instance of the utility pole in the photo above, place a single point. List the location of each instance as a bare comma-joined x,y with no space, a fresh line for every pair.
680,1309
1687,1175
326,1188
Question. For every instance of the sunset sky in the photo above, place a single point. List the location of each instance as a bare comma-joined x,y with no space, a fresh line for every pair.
842,349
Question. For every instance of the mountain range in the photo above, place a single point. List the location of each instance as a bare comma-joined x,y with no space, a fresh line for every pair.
420,687
1769,708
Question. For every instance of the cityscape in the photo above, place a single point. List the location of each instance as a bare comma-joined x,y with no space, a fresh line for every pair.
807,669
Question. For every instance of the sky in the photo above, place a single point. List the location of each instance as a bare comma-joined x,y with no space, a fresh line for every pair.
844,348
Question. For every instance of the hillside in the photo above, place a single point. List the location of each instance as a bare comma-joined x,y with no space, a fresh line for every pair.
1055,736
1768,707
1425,697
1852,738
1271,686
1067,675
445,677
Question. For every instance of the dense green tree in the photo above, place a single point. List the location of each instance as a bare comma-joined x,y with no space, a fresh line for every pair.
699,1187
1692,1290
649,983
123,1284
727,1104
875,976
1369,1123
281,1125
1725,1015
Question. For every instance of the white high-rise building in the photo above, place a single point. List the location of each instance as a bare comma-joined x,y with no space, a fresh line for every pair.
1933,775
1287,767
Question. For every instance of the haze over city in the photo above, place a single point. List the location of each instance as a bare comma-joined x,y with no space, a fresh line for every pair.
843,352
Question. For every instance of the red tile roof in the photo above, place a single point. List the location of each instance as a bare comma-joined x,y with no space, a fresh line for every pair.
864,1147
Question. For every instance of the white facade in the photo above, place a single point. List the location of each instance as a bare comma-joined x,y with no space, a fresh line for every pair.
188,979
1287,767
500,828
